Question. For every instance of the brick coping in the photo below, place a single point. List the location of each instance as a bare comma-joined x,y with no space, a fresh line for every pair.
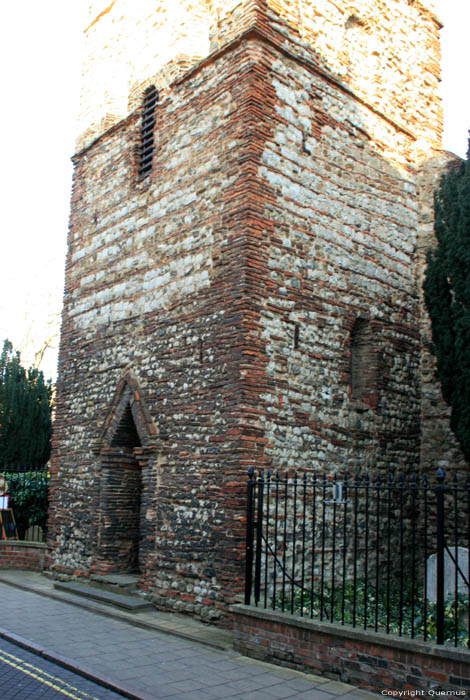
431,649
22,543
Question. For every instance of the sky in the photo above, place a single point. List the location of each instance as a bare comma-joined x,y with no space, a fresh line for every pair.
40,54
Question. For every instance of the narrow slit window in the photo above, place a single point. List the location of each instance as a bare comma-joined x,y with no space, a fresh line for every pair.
296,336
146,133
363,369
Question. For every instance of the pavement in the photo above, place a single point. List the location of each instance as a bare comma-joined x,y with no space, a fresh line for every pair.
146,656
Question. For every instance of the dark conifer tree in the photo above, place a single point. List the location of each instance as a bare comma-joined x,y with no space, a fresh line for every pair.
25,413
447,296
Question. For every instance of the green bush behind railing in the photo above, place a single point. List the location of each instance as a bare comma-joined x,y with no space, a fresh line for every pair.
29,499
384,609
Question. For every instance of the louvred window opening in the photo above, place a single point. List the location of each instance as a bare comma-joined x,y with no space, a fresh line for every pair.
146,136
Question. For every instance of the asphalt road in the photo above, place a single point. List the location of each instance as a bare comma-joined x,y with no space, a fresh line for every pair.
25,676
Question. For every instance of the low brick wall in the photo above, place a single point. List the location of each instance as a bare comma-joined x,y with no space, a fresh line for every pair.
17,554
378,662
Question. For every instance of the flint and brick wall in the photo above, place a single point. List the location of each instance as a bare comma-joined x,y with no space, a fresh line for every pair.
152,286
209,307
341,237
366,44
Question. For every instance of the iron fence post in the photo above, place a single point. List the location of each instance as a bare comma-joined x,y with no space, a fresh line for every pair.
249,536
259,536
440,489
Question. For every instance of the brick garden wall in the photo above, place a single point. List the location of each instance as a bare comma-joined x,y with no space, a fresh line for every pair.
369,660
22,555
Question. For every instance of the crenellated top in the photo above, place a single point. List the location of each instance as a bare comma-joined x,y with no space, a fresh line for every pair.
385,51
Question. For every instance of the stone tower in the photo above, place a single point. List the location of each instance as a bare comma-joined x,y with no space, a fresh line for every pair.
242,272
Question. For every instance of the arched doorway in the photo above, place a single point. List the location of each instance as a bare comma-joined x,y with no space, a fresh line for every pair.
124,475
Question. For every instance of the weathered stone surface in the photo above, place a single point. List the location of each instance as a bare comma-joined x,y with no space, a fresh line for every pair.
209,307
452,575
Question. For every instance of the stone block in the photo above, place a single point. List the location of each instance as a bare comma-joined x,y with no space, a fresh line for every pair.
455,559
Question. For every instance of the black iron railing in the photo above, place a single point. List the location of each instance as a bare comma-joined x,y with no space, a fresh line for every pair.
388,554
23,502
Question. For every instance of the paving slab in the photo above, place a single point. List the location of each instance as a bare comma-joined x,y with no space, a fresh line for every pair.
336,687
126,602
153,620
143,663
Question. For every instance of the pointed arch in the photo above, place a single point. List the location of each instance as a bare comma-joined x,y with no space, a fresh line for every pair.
129,423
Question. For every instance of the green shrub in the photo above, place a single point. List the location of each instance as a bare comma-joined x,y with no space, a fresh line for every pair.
25,412
384,608
447,295
29,499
